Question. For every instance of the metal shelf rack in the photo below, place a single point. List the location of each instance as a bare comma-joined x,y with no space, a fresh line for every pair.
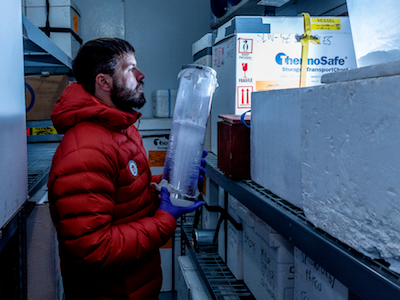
41,55
40,156
243,8
365,277
219,280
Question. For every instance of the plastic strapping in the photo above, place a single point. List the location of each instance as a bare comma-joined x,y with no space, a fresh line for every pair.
305,40
242,118
32,92
169,103
224,215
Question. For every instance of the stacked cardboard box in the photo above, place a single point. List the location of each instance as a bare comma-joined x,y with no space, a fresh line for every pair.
41,92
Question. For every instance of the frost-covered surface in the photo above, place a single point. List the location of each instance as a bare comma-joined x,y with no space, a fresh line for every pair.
275,143
351,164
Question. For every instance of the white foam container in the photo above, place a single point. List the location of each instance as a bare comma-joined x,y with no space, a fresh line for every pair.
62,14
163,103
189,285
234,247
275,143
268,263
350,163
313,282
222,234
209,219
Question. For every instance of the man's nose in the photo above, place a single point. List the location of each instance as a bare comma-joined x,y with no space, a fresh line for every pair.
139,75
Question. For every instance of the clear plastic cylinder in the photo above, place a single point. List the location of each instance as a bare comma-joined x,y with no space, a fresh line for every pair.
193,103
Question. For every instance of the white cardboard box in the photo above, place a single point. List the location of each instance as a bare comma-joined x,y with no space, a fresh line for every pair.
263,53
234,251
205,42
313,282
267,259
202,55
202,50
234,259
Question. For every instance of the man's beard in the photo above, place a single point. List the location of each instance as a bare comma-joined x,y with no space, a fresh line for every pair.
125,99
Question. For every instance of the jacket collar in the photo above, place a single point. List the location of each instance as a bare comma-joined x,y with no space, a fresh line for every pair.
76,105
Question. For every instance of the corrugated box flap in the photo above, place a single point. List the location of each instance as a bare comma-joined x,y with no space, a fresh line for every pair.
241,25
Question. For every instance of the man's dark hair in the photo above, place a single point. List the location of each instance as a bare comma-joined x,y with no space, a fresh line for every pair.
98,56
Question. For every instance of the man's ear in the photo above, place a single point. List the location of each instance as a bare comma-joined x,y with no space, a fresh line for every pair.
104,82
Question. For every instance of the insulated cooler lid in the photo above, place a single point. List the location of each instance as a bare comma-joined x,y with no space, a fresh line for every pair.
201,67
235,119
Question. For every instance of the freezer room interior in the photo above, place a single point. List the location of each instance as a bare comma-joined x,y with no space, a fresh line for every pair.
302,177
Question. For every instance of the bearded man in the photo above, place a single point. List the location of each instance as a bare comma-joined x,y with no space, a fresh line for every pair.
109,218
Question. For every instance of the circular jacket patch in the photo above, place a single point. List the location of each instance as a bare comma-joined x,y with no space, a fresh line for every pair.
133,168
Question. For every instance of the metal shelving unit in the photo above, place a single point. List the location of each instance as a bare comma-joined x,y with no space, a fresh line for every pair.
40,156
221,283
41,55
243,8
365,277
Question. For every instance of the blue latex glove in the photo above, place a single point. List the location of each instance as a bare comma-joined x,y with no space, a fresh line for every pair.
173,210
202,168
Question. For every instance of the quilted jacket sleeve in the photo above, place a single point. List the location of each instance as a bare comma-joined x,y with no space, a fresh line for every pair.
156,178
82,203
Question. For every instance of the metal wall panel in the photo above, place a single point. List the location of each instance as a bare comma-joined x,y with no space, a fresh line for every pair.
162,33
13,153
101,18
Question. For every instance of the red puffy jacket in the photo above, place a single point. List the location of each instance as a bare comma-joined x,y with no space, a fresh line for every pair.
102,202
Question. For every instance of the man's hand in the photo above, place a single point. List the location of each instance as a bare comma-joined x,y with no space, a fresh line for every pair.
176,211
202,168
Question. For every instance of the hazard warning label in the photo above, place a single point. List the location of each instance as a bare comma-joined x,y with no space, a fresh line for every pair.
244,96
245,46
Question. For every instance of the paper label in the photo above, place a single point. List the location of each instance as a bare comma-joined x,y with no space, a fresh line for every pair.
326,20
312,281
43,130
330,24
157,158
76,23
326,27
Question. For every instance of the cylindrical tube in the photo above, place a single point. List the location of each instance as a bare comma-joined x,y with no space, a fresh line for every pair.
185,148
202,237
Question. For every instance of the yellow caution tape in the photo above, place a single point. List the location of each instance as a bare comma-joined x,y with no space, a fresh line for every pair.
305,40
